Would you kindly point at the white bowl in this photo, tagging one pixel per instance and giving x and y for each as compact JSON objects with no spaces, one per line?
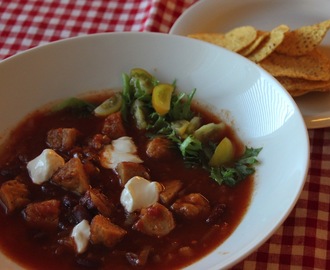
{"x":262,"y":112}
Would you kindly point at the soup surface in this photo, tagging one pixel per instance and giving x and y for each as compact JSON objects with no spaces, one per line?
{"x":190,"y":215}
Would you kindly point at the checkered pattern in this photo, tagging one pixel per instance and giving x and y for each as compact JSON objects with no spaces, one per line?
{"x":303,"y":241}
{"x":28,"y":23}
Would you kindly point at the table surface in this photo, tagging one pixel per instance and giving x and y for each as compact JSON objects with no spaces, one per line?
{"x":302,"y":242}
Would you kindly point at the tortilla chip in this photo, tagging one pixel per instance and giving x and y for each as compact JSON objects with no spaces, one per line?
{"x":298,"y":87}
{"x":214,"y":38}
{"x":269,"y":45}
{"x":312,"y":66}
{"x":240,"y":37}
{"x":304,"y":39}
{"x":290,"y":56}
{"x":233,"y":40}
{"x":298,"y":93}
{"x":261,"y":35}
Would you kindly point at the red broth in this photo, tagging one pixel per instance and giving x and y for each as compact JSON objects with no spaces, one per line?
{"x":187,"y":243}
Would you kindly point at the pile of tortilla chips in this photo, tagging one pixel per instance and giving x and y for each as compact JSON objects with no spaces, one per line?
{"x":293,"y":57}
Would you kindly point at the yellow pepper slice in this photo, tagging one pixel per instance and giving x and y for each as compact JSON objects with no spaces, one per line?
{"x":180,"y":127}
{"x":161,"y":98}
{"x":140,"y":72}
{"x":224,"y":153}
{"x":109,"y":106}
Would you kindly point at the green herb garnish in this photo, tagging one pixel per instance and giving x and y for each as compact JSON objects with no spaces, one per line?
{"x":190,"y":149}
{"x":241,"y":169}
{"x":181,"y":106}
{"x":182,"y":126}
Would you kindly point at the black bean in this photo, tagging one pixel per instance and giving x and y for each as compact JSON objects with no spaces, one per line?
{"x":80,"y":213}
{"x":216,"y":214}
{"x":69,"y":201}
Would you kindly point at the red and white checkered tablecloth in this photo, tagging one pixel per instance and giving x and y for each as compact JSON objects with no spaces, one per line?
{"x":303,"y":241}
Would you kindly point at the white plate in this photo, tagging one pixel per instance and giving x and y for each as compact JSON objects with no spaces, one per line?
{"x":223,"y":15}
{"x":227,"y":82}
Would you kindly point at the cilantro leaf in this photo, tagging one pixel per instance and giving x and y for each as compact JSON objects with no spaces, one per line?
{"x":250,"y":156}
{"x":224,"y":175}
{"x":126,"y":94}
{"x":158,"y":124}
{"x":181,"y":106}
{"x":240,"y":171}
{"x":190,"y":149}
